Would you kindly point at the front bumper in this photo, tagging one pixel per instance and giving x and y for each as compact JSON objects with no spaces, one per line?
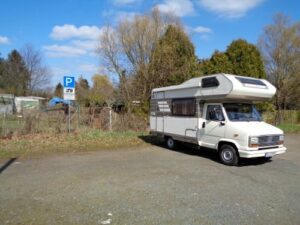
{"x":262,"y":153}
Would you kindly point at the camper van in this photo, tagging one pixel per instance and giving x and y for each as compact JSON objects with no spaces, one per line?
{"x":217,"y":112}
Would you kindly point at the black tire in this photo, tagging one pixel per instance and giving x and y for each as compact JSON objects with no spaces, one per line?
{"x":228,"y":155}
{"x":267,"y":159}
{"x":170,"y":142}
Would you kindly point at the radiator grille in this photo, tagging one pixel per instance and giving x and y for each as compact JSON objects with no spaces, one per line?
{"x":268,"y":140}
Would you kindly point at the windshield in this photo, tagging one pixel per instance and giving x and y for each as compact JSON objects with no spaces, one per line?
{"x":241,"y":112}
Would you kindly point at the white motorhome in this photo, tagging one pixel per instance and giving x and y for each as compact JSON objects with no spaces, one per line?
{"x":217,"y":112}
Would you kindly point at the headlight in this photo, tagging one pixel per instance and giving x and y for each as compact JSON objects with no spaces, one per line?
{"x":253,"y":142}
{"x":281,"y":138}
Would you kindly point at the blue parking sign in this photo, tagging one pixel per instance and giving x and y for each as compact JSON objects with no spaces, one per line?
{"x":69,"y":82}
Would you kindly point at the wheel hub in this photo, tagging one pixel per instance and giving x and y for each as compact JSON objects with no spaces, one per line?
{"x":170,"y":142}
{"x":227,"y":155}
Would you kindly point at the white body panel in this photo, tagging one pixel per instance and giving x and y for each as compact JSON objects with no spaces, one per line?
{"x":181,"y":126}
{"x":230,"y":88}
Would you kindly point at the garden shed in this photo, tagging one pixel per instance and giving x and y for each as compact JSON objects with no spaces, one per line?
{"x":7,"y":105}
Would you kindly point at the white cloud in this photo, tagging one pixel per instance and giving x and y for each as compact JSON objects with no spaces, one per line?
{"x":86,"y":45}
{"x":56,"y":51}
{"x":57,"y":71}
{"x":69,"y":31}
{"x":201,"y":29}
{"x":230,"y":8}
{"x":117,"y":16}
{"x":121,"y":15}
{"x":4,"y":40}
{"x":125,"y":2}
{"x":178,"y":7}
{"x":80,"y":41}
{"x":88,"y":68}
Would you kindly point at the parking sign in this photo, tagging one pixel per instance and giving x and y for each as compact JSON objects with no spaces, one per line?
{"x":69,"y":82}
{"x":69,"y":88}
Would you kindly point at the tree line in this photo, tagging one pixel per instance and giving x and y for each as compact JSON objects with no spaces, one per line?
{"x":101,"y":93}
{"x":153,"y":50}
{"x":24,"y":72}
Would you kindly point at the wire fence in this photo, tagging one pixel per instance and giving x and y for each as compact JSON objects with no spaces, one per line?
{"x":56,"y":121}
{"x":102,"y":118}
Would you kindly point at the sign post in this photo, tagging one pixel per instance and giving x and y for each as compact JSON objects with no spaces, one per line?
{"x":69,"y":94}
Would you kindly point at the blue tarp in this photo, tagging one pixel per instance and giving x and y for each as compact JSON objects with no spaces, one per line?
{"x":56,"y":100}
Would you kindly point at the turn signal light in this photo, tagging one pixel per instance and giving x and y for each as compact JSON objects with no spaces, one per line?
{"x":253,"y":146}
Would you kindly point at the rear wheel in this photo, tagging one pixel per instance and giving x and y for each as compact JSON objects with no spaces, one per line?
{"x":228,"y":155}
{"x":171,"y":143}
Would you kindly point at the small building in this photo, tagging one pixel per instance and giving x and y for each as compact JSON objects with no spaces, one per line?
{"x":27,"y":103}
{"x":7,"y":105}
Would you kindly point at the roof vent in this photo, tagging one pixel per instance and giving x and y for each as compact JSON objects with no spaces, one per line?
{"x":210,"y":82}
{"x":251,"y":82}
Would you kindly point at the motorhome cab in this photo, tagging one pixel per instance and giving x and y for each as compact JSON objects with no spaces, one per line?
{"x":217,"y":112}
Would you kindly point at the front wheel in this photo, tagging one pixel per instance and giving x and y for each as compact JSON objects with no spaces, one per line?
{"x":171,"y":144}
{"x":228,"y":155}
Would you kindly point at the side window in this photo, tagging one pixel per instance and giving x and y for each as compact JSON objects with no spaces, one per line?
{"x":184,"y":107}
{"x":214,"y":112}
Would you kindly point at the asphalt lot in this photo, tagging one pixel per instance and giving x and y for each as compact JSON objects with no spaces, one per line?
{"x":151,"y":185}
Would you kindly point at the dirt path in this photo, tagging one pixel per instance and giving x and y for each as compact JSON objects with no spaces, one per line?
{"x":151,"y":186}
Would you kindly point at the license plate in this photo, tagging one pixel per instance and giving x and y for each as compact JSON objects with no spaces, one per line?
{"x":269,"y":154}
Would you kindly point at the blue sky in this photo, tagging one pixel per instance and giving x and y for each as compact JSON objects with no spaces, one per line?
{"x":66,"y":31}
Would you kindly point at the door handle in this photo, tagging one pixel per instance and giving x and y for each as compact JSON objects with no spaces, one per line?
{"x":203,"y":125}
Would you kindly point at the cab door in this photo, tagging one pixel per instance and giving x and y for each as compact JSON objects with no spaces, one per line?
{"x":213,"y":127}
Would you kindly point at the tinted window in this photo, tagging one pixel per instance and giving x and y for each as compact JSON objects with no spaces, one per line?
{"x":214,"y":112}
{"x":184,"y":107}
{"x":210,"y":82}
{"x":245,"y":80}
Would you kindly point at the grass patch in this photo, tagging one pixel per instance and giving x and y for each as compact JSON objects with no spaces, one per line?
{"x":290,"y":128}
{"x":82,"y":141}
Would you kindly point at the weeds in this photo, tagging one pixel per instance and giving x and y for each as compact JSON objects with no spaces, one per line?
{"x":80,"y":141}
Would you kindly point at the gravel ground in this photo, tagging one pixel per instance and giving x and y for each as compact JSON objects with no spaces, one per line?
{"x":152,"y":185}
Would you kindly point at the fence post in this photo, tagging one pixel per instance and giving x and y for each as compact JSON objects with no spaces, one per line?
{"x":78,"y":116}
{"x":69,"y":119}
{"x":3,"y":124}
{"x":110,"y":125}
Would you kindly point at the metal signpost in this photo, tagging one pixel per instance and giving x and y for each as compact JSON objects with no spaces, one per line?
{"x":69,"y":94}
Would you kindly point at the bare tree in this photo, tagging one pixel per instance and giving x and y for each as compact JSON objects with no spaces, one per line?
{"x":280,"y":47}
{"x":39,"y":74}
{"x":126,"y":49}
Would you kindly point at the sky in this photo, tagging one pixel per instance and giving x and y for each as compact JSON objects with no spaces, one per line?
{"x":67,"y":31}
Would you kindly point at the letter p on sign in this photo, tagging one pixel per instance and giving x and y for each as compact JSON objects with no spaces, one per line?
{"x":69,"y":82}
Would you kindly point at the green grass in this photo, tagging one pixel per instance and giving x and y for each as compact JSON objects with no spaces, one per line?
{"x":81,"y":141}
{"x":290,"y":128}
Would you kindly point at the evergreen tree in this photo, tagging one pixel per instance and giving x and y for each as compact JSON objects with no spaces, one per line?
{"x":16,"y":75}
{"x":2,"y":69}
{"x":82,"y":91}
{"x":173,"y":60}
{"x":218,"y":63}
{"x":58,"y":92}
{"x":240,"y":57}
{"x":245,"y":59}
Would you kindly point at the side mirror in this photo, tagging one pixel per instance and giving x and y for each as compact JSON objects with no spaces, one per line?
{"x":222,"y":123}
